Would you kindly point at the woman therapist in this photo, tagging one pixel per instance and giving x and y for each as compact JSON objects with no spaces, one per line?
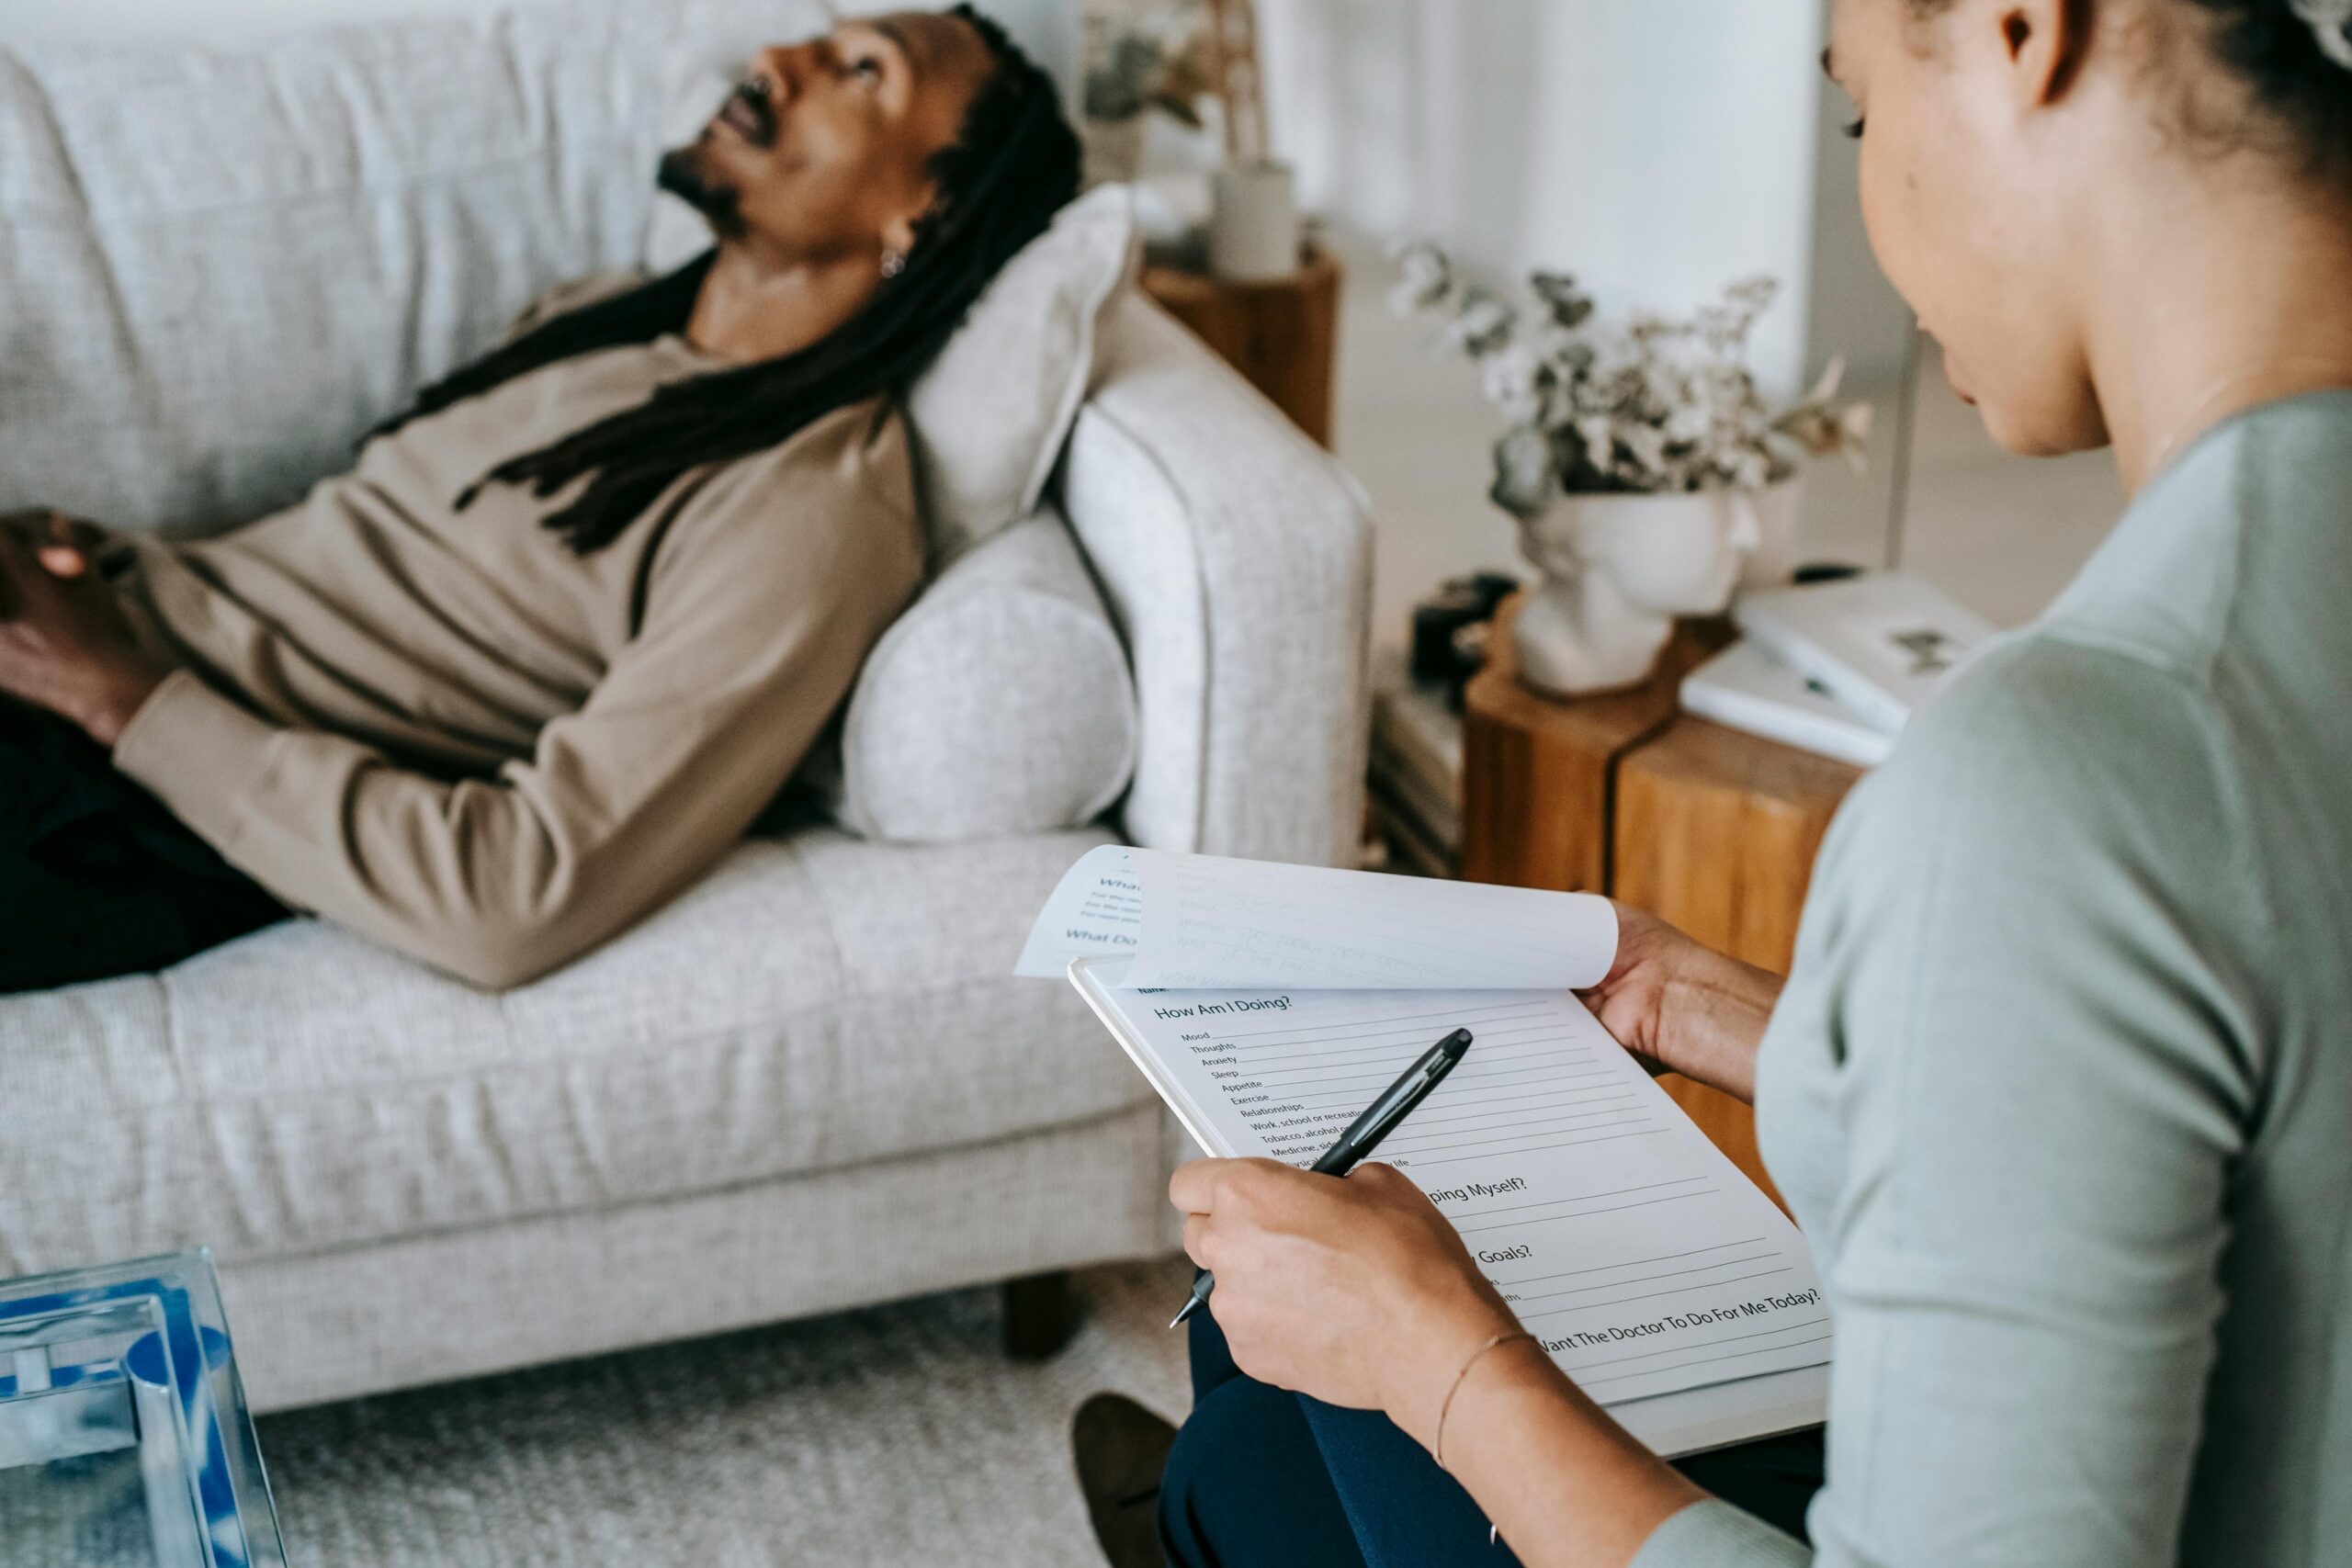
{"x":2060,"y":1088}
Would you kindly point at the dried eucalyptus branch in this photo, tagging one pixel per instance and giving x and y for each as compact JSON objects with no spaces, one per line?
{"x":1650,"y":404}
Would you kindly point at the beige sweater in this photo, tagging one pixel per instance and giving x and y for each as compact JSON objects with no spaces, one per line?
{"x":451,"y":734}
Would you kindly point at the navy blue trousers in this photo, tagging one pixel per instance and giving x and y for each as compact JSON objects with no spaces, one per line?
{"x":1263,"y":1477}
{"x":97,"y":878}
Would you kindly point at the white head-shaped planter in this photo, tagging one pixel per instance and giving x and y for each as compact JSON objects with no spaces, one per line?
{"x":1619,"y":569}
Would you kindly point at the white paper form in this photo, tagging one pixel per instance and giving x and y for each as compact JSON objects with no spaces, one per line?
{"x":1622,"y":1238}
{"x":1202,"y":922}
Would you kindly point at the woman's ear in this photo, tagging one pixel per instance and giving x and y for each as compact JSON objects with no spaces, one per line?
{"x":2042,"y":45}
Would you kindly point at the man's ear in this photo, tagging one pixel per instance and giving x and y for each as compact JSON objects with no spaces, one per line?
{"x":2043,"y":43}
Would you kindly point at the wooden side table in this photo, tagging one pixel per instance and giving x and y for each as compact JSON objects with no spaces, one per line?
{"x":1707,"y":827}
{"x":1537,"y":774}
{"x":1282,"y":335}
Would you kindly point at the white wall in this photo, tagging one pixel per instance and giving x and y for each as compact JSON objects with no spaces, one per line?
{"x":1407,"y":118}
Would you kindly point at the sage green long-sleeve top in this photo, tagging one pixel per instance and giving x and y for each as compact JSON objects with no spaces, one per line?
{"x":2060,"y":1088}
{"x":450,"y":733}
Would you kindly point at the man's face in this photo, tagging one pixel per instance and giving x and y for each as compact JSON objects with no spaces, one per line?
{"x":822,"y":152}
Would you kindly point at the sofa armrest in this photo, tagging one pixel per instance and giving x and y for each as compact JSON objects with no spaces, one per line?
{"x":1237,"y":558}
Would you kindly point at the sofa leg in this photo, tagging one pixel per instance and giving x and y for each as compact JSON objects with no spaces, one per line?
{"x":1040,"y":1315}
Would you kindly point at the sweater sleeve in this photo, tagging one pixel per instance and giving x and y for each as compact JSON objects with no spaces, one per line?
{"x":1714,"y":1534}
{"x":2019,"y":1013}
{"x":758,"y":615}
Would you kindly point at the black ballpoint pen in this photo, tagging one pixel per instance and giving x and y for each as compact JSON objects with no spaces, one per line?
{"x":1364,"y":1135}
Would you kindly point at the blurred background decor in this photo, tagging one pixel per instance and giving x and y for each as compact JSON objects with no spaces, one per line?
{"x":1189,"y":70}
{"x":1173,"y":105}
{"x":1141,"y":60}
{"x":1649,"y":474}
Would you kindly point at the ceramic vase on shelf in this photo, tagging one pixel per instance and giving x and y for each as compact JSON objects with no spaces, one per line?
{"x":1619,"y":569}
{"x":1255,"y":231}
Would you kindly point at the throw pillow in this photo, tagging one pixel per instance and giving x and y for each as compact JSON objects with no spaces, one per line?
{"x":999,"y":704}
{"x":991,"y":415}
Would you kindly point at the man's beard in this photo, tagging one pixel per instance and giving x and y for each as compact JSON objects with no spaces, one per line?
{"x":683,"y":175}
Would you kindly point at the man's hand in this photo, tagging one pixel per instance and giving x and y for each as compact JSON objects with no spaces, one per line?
{"x":64,"y":645}
{"x":1687,"y":1008}
{"x":1354,"y":1292}
{"x":65,"y":545}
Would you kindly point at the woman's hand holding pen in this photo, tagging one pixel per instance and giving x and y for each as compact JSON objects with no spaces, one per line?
{"x":1683,"y":1005}
{"x":1354,"y":1291}
{"x":1357,"y":1291}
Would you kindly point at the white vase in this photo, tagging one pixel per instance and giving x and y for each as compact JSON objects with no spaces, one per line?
{"x":1254,"y":226}
{"x":1619,"y":569}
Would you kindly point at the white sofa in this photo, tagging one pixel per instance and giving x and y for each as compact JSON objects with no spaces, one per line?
{"x":809,"y":1084}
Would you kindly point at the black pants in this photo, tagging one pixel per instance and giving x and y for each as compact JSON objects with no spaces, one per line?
{"x":1258,"y":1476}
{"x":97,"y":878}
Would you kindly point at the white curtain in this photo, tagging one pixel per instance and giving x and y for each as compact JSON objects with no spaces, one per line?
{"x":1409,"y":117}
{"x":1659,"y":148}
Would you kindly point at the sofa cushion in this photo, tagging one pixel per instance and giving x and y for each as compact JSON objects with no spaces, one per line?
{"x":201,"y":323}
{"x":998,"y":705}
{"x":818,"y":1003}
{"x":992,"y":415}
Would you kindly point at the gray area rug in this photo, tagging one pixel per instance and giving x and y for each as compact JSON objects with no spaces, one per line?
{"x":897,"y":1435}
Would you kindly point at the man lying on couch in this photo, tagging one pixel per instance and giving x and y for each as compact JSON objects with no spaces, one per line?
{"x":544,"y":654}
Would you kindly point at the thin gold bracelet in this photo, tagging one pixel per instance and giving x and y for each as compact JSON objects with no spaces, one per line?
{"x":1437,"y":1451}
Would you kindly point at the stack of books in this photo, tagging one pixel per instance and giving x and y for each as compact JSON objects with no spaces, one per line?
{"x":1838,"y":668}
{"x":1414,"y":786}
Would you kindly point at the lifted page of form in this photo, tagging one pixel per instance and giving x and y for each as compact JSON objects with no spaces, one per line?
{"x":1622,"y":1238}
{"x":1199,"y":921}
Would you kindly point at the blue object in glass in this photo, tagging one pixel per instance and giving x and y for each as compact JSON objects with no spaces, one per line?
{"x":124,"y":1437}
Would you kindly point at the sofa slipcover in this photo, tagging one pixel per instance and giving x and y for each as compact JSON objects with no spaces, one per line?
{"x":821,"y":1002}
